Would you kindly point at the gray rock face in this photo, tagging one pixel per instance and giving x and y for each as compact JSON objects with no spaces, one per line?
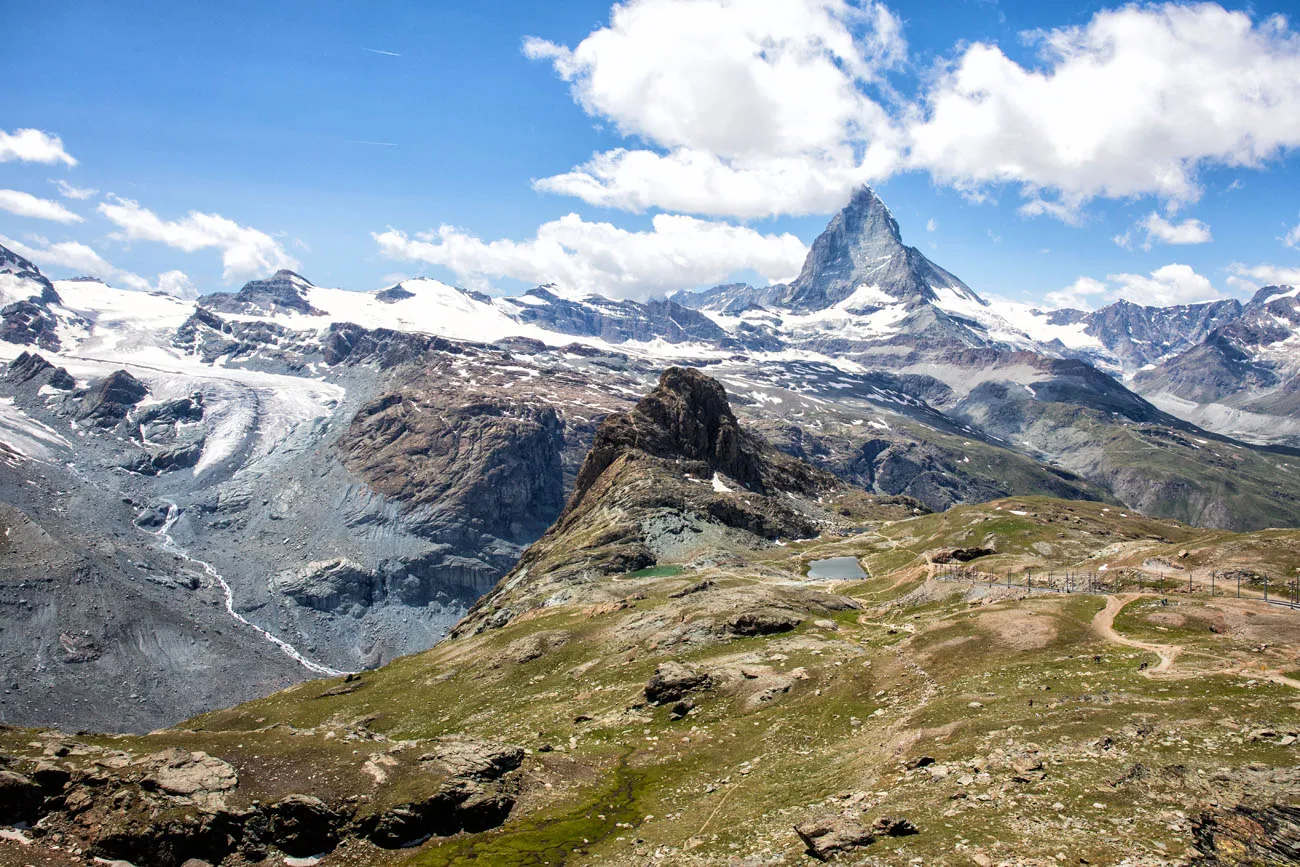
{"x":109,"y":400}
{"x":619,"y":321}
{"x":283,"y":291}
{"x":29,"y":323}
{"x":863,"y":246}
{"x":1139,"y":335}
{"x":31,"y":369}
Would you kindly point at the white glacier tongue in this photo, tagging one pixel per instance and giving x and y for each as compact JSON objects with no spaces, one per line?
{"x":25,"y":437}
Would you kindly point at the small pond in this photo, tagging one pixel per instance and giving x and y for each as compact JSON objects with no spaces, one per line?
{"x":838,"y":568}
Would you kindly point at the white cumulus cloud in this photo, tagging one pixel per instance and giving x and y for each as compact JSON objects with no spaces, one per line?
{"x":1158,"y":230}
{"x":699,"y":182}
{"x":1248,"y":278}
{"x":1082,"y":294}
{"x":83,"y":261}
{"x":751,"y":107}
{"x":1165,"y":286}
{"x":1132,"y":103}
{"x":33,"y":146}
{"x":245,"y":251}
{"x":1292,"y":237}
{"x":677,"y":252}
{"x":27,"y":205}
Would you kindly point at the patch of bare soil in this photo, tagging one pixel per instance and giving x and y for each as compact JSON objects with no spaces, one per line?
{"x":1018,"y":629}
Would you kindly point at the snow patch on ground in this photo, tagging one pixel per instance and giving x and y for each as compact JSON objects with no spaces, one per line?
{"x":27,"y":437}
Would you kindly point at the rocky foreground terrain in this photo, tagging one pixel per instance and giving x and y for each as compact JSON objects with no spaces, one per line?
{"x":663,"y":680}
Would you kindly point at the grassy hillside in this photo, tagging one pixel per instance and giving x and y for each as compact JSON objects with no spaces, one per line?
{"x":1005,"y":726}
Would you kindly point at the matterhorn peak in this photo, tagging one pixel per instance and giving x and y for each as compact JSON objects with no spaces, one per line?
{"x":862,"y":246}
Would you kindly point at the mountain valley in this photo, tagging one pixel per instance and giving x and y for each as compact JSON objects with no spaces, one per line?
{"x":661,"y":679}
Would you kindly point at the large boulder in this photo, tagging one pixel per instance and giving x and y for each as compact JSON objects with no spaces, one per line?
{"x":673,"y":681}
{"x":302,"y":826}
{"x":476,"y":759}
{"x":189,"y":774}
{"x":829,"y":836}
{"x":20,"y":798}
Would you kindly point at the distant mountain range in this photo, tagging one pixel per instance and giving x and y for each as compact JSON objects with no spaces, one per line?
{"x":348,"y":472}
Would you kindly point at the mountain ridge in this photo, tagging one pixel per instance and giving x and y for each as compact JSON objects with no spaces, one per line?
{"x":358,"y":469}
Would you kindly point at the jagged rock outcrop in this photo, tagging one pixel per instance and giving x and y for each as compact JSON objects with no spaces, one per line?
{"x":394,"y":294}
{"x":1139,"y":334}
{"x":27,"y":323}
{"x":108,"y":401}
{"x":862,"y":246}
{"x":688,"y":417}
{"x":30,"y":368}
{"x":674,"y":478}
{"x":284,"y":291}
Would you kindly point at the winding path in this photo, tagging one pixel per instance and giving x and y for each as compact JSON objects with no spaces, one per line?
{"x":1104,"y":625}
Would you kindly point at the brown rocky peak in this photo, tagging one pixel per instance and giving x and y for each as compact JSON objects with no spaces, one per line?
{"x":687,"y":416}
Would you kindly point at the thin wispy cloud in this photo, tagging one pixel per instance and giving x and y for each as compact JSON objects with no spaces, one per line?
{"x":382,"y":51}
{"x":381,"y":144}
{"x":68,"y":191}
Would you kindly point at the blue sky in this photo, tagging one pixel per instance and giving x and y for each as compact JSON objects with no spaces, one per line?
{"x":301,"y":131}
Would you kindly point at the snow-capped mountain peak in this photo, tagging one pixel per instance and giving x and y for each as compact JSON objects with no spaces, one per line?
{"x":864,"y":246}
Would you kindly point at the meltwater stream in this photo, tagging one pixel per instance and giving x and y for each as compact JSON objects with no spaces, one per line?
{"x":169,"y":545}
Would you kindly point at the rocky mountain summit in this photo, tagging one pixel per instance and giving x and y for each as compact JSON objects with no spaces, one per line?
{"x":863,"y":247}
{"x":674,"y":480}
{"x":1136,"y":335}
{"x":283,"y":291}
{"x":1245,"y":369}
